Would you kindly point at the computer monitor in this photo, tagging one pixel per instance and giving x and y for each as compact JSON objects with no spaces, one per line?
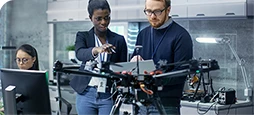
{"x":33,"y":87}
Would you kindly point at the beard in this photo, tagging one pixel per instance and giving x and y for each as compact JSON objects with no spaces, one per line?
{"x":156,"y":22}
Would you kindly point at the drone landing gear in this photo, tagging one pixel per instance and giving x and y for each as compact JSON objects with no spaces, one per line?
{"x":128,"y":105}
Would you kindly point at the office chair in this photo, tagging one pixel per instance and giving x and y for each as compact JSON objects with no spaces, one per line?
{"x":64,"y":106}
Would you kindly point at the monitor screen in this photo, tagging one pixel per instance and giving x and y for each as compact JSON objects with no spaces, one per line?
{"x":32,"y":85}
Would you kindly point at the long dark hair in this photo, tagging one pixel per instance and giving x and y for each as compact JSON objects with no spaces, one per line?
{"x":32,"y":52}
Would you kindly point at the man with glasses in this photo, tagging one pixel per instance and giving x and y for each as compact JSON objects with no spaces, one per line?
{"x":165,"y":42}
{"x":100,"y":44}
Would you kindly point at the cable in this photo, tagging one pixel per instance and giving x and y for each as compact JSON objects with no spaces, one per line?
{"x":110,"y":96}
{"x":114,"y":84}
{"x":233,"y":101}
{"x":215,"y":108}
{"x":228,"y":109}
{"x":223,"y":89}
{"x":205,"y":111}
{"x":217,"y":93}
{"x":144,"y":88}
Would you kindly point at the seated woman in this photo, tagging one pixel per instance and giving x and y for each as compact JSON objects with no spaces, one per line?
{"x":27,"y":57}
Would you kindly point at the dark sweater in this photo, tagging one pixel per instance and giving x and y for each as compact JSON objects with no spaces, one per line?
{"x":175,"y":46}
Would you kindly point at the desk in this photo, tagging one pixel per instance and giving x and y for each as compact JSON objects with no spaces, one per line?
{"x":239,"y":108}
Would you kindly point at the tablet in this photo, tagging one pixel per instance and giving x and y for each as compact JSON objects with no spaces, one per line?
{"x":146,"y":65}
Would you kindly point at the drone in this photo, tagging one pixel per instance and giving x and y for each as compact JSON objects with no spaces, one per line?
{"x":133,"y":88}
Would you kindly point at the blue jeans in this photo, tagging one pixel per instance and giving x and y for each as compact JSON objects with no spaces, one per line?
{"x":93,"y":103}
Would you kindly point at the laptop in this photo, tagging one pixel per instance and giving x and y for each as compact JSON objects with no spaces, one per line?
{"x":146,"y":65}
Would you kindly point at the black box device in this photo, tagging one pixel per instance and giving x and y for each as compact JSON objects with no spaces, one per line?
{"x":227,"y":97}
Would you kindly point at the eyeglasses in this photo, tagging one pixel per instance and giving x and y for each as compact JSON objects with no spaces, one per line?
{"x":155,"y":12}
{"x":23,"y":60}
{"x":106,"y":18}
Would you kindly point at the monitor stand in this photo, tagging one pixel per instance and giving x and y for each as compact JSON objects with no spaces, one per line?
{"x":11,"y":98}
{"x":10,"y":104}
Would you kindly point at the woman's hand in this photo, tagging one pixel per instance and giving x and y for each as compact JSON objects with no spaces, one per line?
{"x":107,"y":48}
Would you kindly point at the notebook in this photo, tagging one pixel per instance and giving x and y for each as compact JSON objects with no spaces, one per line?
{"x":146,"y":65}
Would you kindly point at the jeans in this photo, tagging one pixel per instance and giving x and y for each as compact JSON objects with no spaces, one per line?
{"x":152,"y":110}
{"x":92,"y":102}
